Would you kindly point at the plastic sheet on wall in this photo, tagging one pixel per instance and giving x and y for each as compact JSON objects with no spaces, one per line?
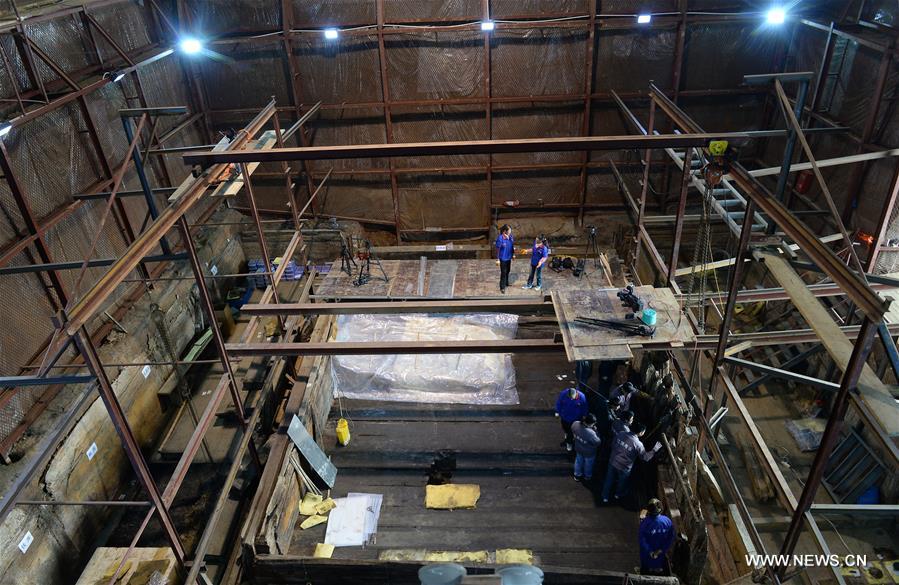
{"x":248,"y":76}
{"x":627,"y":60}
{"x":450,"y":378}
{"x":538,"y":61}
{"x":717,"y":56}
{"x":66,"y":40}
{"x":221,"y":16}
{"x":432,"y":123}
{"x":126,"y":22}
{"x":537,"y":8}
{"x":360,"y":196}
{"x":350,"y":126}
{"x":400,"y":10}
{"x":535,"y":188}
{"x":338,"y":72}
{"x":451,"y":200}
{"x":428,"y":65}
{"x":849,"y":93}
{"x":546,"y":119}
{"x":356,"y":12}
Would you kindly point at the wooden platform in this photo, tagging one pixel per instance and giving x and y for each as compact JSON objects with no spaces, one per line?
{"x":529,"y":499}
{"x":586,"y":342}
{"x":462,"y":278}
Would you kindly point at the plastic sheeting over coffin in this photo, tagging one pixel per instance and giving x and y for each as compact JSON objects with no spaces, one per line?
{"x":450,"y":378}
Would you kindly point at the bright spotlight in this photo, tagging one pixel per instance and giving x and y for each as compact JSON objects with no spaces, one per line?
{"x":644,"y":18}
{"x":191,"y":46}
{"x":776,"y":16}
{"x":5,"y":128}
{"x":331,"y":33}
{"x":488,"y":25}
{"x":117,"y":76}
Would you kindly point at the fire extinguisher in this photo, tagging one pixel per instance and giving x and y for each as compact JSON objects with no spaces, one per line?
{"x":803,"y":182}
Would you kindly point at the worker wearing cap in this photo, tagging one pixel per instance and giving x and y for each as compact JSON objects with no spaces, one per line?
{"x":539,"y":256}
{"x":505,"y":249}
{"x":586,"y":444}
{"x":571,"y":406}
{"x":656,"y":538}
{"x":626,"y":449}
{"x":625,"y":393}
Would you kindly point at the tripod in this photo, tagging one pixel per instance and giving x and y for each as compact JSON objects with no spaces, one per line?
{"x":591,"y":247}
{"x":366,"y":255}
{"x":347,"y":264}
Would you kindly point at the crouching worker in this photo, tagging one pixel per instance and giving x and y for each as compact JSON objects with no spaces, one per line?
{"x":586,"y":443}
{"x":571,"y":406}
{"x":626,"y":448}
{"x":656,"y":537}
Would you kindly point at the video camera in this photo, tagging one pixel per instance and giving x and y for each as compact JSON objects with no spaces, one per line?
{"x":630,"y":299}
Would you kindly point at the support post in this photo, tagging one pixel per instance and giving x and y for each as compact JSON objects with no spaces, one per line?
{"x":679,"y":217}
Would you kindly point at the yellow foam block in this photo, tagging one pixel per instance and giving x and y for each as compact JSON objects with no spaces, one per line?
{"x":452,"y":496}
{"x":323,"y":551}
{"x":514,"y":556}
{"x":310,"y":501}
{"x":456,"y":556}
{"x":313,"y":521}
{"x":325,"y":506}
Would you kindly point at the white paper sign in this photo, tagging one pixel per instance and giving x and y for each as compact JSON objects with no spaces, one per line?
{"x":146,"y":371}
{"x":214,"y":270}
{"x":26,"y":542}
{"x":91,"y":451}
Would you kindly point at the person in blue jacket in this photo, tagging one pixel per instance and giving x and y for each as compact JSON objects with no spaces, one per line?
{"x":571,"y":406}
{"x":539,"y":256}
{"x":656,"y":538}
{"x":505,"y":249}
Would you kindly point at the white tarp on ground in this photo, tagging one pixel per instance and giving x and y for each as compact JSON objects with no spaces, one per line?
{"x":450,"y":378}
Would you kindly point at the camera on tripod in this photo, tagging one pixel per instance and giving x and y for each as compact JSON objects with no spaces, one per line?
{"x":629,"y":299}
{"x":591,"y":230}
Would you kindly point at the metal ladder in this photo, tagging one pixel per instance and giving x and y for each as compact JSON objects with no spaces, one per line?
{"x":727,"y":202}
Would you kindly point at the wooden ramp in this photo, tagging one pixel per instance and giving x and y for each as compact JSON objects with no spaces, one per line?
{"x":875,"y":393}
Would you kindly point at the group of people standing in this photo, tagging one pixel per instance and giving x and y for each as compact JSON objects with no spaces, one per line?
{"x":623,"y":437}
{"x":505,"y":251}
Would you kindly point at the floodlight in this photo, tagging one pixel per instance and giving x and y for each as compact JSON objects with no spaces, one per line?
{"x":191,"y":45}
{"x":644,"y":18}
{"x":5,"y":128}
{"x":488,"y":25}
{"x":331,"y":33}
{"x":117,"y":76}
{"x":776,"y":15}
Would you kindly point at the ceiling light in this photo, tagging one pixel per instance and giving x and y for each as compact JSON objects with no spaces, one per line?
{"x":331,"y":33}
{"x":644,"y":18}
{"x":488,"y":25}
{"x":776,"y":16}
{"x":191,"y":45}
{"x":117,"y":76}
{"x":5,"y":128}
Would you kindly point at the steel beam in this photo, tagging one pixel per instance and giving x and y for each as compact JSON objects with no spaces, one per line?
{"x":395,"y":347}
{"x":16,"y":381}
{"x":566,"y":144}
{"x":354,"y":308}
{"x":773,"y":372}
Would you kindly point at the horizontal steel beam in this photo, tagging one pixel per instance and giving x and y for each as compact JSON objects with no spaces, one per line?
{"x":566,"y":144}
{"x":395,"y":347}
{"x":17,"y":381}
{"x":130,"y":193}
{"x":888,"y":509}
{"x":79,"y":263}
{"x":354,"y":308}
{"x":157,"y":111}
{"x":783,"y":374}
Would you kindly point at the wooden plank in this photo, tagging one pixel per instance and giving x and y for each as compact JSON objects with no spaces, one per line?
{"x":873,"y":390}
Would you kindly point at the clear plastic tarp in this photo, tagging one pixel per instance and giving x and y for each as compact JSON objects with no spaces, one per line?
{"x":449,"y":378}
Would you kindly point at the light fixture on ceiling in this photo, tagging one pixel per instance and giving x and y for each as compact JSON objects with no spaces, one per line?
{"x":117,"y":76}
{"x":331,"y":33}
{"x":776,"y":15}
{"x":190,"y":45}
{"x":644,"y":18}
{"x":488,"y":25}
{"x":5,"y":127}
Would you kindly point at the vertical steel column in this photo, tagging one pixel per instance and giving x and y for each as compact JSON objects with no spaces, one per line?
{"x":144,"y":183}
{"x":263,"y":246}
{"x":129,"y":442}
{"x":209,"y":309}
{"x":883,"y":224}
{"x":588,"y":102}
{"x":790,"y":147}
{"x":848,"y":383}
{"x":388,"y":116}
{"x":823,"y":71}
{"x":647,"y":161}
{"x":681,"y":209}
{"x":736,"y":276}
{"x":488,"y":108}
